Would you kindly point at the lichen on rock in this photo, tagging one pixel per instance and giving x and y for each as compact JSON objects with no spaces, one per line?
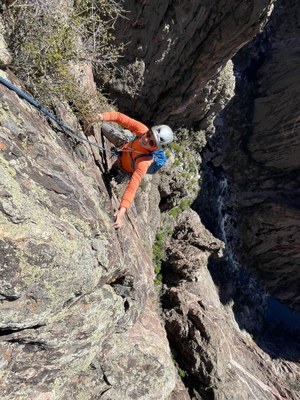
{"x":80,"y":315}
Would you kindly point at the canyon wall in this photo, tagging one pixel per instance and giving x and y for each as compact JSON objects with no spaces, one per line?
{"x":174,"y":51}
{"x":262,"y":138}
{"x":80,"y":317}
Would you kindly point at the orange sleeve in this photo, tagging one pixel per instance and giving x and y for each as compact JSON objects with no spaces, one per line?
{"x":137,"y":176}
{"x":129,"y":123}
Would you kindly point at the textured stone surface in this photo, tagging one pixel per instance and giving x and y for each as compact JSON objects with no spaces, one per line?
{"x":219,"y":360}
{"x":266,"y":182}
{"x":49,"y":356}
{"x":174,"y":49}
{"x":137,"y":363}
{"x":69,"y":281}
{"x":5,"y":57}
{"x":78,"y":319}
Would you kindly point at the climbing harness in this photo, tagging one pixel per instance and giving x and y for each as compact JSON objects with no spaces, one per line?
{"x":158,"y":156}
{"x":70,"y":131}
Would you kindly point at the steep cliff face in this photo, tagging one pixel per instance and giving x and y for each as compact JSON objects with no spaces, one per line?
{"x":263,"y":140}
{"x":174,"y":49}
{"x":79,"y":314}
{"x":70,"y":285}
{"x":217,"y":359}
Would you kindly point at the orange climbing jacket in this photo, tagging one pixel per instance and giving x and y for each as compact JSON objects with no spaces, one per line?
{"x":131,"y":161}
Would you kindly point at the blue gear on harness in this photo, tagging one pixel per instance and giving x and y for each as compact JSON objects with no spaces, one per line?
{"x":159,"y":160}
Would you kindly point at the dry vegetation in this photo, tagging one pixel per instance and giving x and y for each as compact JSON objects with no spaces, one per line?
{"x":49,"y":40}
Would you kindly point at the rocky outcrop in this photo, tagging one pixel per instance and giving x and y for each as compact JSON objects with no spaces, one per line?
{"x":70,"y":284}
{"x":217,"y":359}
{"x":79,"y":314}
{"x":261,"y":138}
{"x":174,"y":49}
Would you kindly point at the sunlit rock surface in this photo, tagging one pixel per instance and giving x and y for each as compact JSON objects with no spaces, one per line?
{"x":69,"y":282}
{"x":79,"y":314}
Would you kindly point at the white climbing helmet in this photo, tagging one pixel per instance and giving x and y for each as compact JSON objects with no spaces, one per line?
{"x":163,"y":135}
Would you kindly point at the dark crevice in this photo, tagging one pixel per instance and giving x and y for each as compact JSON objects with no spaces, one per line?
{"x":32,"y":344}
{"x":123,"y":286}
{"x":126,"y":305}
{"x":106,"y":379}
{"x":169,"y":277}
{"x":11,"y":331}
{"x":7,"y":297}
{"x":104,"y":391}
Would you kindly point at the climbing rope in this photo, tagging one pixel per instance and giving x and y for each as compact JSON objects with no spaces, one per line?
{"x":70,"y":131}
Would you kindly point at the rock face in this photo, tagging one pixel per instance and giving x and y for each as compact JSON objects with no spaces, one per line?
{"x":218,"y":360}
{"x":5,"y":57}
{"x":70,"y":284}
{"x":79,"y":314}
{"x":263,"y":140}
{"x":174,"y":49}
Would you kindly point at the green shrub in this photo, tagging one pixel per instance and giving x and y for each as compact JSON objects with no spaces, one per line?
{"x":176,"y":163}
{"x":174,"y":212}
{"x":159,"y":252}
{"x":183,"y":205}
{"x":177,"y":147}
{"x":181,"y":372}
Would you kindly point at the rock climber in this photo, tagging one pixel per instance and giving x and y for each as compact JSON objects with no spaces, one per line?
{"x":135,"y":156}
